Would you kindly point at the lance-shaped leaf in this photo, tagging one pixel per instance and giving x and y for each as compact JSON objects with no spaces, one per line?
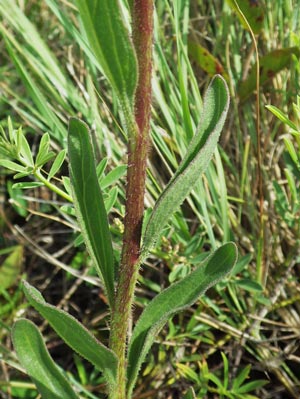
{"x":35,"y":358}
{"x":109,"y":40}
{"x":172,"y":300}
{"x":199,"y":153}
{"x":75,"y":334}
{"x":89,"y":204}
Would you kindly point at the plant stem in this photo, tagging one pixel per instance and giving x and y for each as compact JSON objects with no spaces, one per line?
{"x":51,"y":186}
{"x":142,"y":24}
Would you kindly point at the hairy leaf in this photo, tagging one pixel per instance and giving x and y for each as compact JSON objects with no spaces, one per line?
{"x":74,"y":334}
{"x":111,"y":44}
{"x":199,"y":153}
{"x":89,"y":204}
{"x":34,"y":357}
{"x":174,"y":299}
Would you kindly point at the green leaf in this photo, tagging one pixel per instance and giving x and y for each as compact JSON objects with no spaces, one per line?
{"x":113,"y":176}
{"x":196,"y":160}
{"x":12,"y":166}
{"x":111,"y":199}
{"x":241,"y":264}
{"x":292,"y":151}
{"x":28,"y":172}
{"x":58,"y":161}
{"x":241,"y":377}
{"x":216,"y":380}
{"x":16,"y":134}
{"x":249,"y":285}
{"x":101,"y":167}
{"x":292,"y":184}
{"x":251,"y":386}
{"x":67,"y":185}
{"x":281,"y":116}
{"x":43,"y":149}
{"x":46,"y":158}
{"x":34,"y":357}
{"x":27,"y":185}
{"x":74,"y":334}
{"x":253,"y":12}
{"x":44,"y":155}
{"x":111,"y":44}
{"x":188,"y":373}
{"x":89,"y":204}
{"x":270,"y":65}
{"x":11,"y":267}
{"x":25,"y":150}
{"x":174,"y":299}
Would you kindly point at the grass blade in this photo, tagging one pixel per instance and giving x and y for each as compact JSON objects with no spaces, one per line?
{"x":89,"y":204}
{"x":47,"y":115}
{"x":174,"y":299}
{"x":34,"y":357}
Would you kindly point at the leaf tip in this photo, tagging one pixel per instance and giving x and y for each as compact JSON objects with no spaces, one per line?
{"x":222,"y":261}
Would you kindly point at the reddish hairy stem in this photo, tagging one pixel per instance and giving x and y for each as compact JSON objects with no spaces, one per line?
{"x":142,"y":23}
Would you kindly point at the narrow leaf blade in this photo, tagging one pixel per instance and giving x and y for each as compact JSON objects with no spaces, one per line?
{"x":196,"y":160}
{"x":12,"y":166}
{"x":174,"y":299}
{"x":113,"y":176}
{"x":58,"y":161}
{"x":74,"y":334}
{"x":43,"y":150}
{"x":34,"y":357}
{"x":27,"y":185}
{"x":89,"y":204}
{"x":25,"y":150}
{"x":281,"y":116}
{"x":111,"y":44}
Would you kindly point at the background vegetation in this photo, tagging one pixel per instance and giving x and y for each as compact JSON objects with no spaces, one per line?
{"x":242,"y":339}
